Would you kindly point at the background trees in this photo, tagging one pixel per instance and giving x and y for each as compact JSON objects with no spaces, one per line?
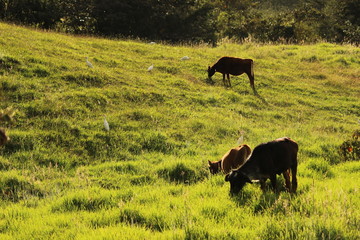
{"x":194,"y":20}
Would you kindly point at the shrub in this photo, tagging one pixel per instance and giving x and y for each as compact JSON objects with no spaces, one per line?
{"x":350,"y":149}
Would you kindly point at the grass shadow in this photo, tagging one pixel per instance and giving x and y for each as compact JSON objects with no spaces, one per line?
{"x":243,"y":198}
{"x":209,"y":81}
{"x":267,"y":200}
{"x":263,"y":100}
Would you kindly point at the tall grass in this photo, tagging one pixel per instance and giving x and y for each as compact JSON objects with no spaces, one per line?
{"x":63,"y":176}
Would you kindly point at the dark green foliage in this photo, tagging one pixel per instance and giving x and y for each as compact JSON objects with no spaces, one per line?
{"x":194,"y":21}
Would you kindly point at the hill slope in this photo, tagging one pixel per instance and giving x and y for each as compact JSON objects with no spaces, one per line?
{"x":63,"y":176}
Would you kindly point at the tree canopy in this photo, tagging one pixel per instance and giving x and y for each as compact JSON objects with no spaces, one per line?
{"x":194,"y":20}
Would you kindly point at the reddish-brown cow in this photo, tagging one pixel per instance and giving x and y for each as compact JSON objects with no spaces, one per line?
{"x":233,"y":159}
{"x":233,"y":66}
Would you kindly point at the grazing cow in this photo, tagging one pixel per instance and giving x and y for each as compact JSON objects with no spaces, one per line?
{"x":3,"y":137}
{"x":267,"y":160}
{"x":233,"y":66}
{"x":233,"y":159}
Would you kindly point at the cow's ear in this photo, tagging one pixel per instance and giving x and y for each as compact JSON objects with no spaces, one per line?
{"x":208,"y":68}
{"x":227,"y":177}
{"x":209,"y":162}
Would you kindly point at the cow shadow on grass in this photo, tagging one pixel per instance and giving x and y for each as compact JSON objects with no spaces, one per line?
{"x":245,"y":91}
{"x":269,"y":201}
{"x":257,"y":203}
{"x":209,"y":81}
{"x":262,"y":99}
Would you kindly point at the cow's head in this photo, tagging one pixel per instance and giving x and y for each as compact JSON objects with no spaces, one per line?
{"x":3,"y":137}
{"x":237,"y":181}
{"x":211,"y":72}
{"x":214,"y":167}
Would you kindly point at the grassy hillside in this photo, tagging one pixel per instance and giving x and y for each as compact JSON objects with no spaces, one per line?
{"x":64,"y":177}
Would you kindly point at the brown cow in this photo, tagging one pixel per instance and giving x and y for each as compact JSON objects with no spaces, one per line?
{"x":267,"y":160}
{"x":233,"y":159}
{"x":3,"y":137}
{"x":233,"y":66}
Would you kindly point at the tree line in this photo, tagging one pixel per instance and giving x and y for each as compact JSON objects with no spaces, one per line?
{"x":292,"y":21}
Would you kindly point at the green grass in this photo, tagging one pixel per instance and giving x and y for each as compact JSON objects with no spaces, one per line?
{"x":64,"y":177}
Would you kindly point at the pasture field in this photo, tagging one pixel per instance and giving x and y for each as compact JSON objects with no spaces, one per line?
{"x":62,"y":176}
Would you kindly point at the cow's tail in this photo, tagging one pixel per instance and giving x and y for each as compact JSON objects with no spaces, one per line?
{"x":252,"y":77}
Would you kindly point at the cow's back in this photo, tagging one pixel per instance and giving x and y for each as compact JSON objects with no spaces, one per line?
{"x":276,"y":156}
{"x":233,"y":66}
{"x":235,"y":158}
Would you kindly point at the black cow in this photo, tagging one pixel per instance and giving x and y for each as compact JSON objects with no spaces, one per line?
{"x":267,"y":160}
{"x":233,"y":66}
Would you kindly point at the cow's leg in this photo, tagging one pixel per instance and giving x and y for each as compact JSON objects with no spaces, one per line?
{"x":273,"y":182}
{"x":262,"y":184}
{"x":286,"y":175}
{"x":293,"y":179}
{"x":251,"y":78}
{"x":228,"y":77}
{"x":224,"y":79}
